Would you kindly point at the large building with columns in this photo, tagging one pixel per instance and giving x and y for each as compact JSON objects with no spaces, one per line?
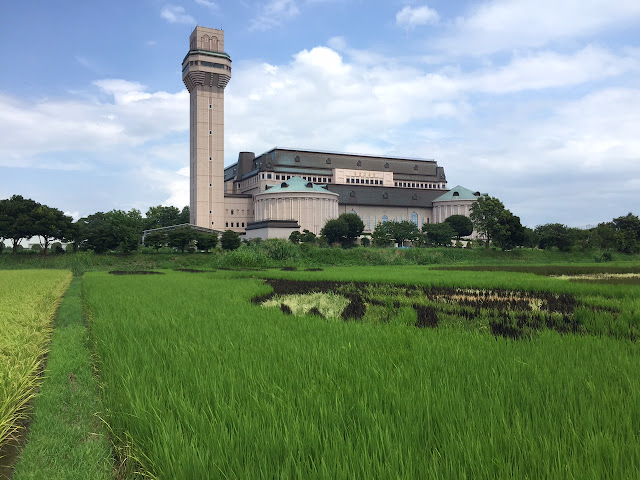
{"x":285,"y":189}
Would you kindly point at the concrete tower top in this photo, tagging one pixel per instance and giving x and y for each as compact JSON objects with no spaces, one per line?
{"x":208,"y":39}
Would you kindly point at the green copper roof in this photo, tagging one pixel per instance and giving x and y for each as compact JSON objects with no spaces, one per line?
{"x":462,"y":194}
{"x":296,"y":184}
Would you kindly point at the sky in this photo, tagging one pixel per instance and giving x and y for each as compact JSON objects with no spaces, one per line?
{"x":536,"y":102}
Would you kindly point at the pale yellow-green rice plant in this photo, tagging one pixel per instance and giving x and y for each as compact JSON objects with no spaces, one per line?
{"x":28,"y":302}
{"x":329,"y":304}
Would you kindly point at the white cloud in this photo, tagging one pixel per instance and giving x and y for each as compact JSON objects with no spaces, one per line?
{"x":511,"y":24}
{"x":209,"y":4}
{"x":273,"y":13}
{"x":410,"y":17}
{"x":549,"y":70}
{"x":176,"y":14}
{"x":127,"y":116}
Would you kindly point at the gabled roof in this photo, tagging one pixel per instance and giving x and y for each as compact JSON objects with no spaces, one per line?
{"x":458,"y":193}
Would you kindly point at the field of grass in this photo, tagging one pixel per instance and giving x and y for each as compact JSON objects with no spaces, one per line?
{"x":28,"y":301}
{"x":199,"y":382}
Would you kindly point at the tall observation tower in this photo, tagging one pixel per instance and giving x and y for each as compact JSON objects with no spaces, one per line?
{"x":206,"y":70}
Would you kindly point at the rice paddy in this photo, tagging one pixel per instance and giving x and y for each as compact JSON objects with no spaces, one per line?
{"x":401,"y":372}
{"x":28,"y":301}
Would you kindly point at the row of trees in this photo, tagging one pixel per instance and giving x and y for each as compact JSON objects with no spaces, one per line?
{"x":22,"y":218}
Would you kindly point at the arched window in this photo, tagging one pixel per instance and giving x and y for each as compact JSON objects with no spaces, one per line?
{"x":205,"y":42}
{"x":359,"y":164}
{"x":214,"y":45}
{"x":414,"y":218}
{"x":385,"y":219}
{"x":456,"y":194}
{"x":231,"y":212}
{"x":297,"y":159}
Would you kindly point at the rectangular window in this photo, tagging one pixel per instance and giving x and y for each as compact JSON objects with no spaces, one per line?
{"x":277,"y":177}
{"x":226,"y":224}
{"x":269,"y":176}
{"x":368,"y":223}
{"x":329,"y":181}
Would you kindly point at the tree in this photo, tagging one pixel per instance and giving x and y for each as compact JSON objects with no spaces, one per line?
{"x":184,"y":215}
{"x":486,"y":213}
{"x":308,"y":237}
{"x":402,"y":231}
{"x":439,"y":234}
{"x":205,"y":241}
{"x":387,"y":232}
{"x":114,"y":230}
{"x":627,"y":233}
{"x":355,"y":227}
{"x":51,"y":224}
{"x":162,"y":216}
{"x":335,"y":230}
{"x":463,"y":226}
{"x":181,"y":237}
{"x":295,"y":237}
{"x":75,"y":235}
{"x":156,"y":240}
{"x":509,"y":233}
{"x":230,"y":240}
{"x":554,"y":235}
{"x":17,"y":220}
{"x":382,"y":234}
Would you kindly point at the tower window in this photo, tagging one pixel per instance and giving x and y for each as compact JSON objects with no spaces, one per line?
{"x":210,"y":106}
{"x":209,"y":132}
{"x":297,"y":158}
{"x":359,"y":164}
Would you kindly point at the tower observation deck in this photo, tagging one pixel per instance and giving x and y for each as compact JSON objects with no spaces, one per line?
{"x":206,"y":70}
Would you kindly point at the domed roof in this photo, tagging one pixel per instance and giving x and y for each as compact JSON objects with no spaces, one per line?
{"x":296,"y":184}
{"x":458,"y":193}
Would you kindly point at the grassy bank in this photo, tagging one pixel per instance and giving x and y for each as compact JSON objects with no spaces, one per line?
{"x":280,"y":253}
{"x":198,"y":382}
{"x":66,"y":439}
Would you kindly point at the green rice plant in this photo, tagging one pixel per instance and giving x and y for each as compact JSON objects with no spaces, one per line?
{"x":197,"y":382}
{"x":27,"y":304}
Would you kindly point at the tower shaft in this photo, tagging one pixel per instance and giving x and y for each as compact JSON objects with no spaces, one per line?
{"x":206,"y":70}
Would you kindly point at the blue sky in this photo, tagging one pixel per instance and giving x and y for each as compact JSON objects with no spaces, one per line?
{"x":534,"y":102}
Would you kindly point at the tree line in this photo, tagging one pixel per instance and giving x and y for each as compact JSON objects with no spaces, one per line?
{"x":120,"y":231}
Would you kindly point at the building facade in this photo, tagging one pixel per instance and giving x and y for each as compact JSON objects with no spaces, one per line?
{"x":288,"y":189}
